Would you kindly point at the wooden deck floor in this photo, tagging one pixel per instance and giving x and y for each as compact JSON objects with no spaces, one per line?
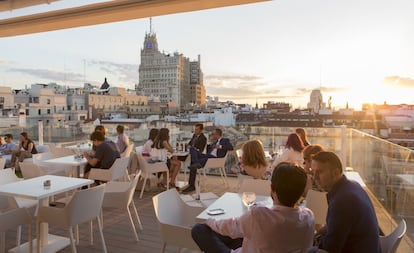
{"x":117,"y":229}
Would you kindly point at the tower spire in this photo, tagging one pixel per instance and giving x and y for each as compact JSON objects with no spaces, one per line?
{"x":150,"y":25}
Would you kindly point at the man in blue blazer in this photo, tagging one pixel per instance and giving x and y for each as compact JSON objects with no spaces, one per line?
{"x":216,"y":149}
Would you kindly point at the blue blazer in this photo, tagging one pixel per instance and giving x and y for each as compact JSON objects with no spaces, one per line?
{"x":225,"y":146}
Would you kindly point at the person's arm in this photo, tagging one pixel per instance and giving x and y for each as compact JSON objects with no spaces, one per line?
{"x":30,"y":147}
{"x":226,"y":144}
{"x":92,"y":161}
{"x":167,"y":146}
{"x":228,"y":227}
{"x":201,"y":143}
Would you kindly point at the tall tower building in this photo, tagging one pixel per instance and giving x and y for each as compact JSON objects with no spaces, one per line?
{"x":172,"y":78}
{"x":316,"y":101}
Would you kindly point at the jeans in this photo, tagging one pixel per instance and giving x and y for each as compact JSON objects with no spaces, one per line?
{"x":211,"y":242}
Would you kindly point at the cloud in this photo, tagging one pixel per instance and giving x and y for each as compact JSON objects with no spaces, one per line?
{"x":240,"y":87}
{"x":305,"y":91}
{"x":403,"y":82}
{"x":123,"y":71}
{"x":47,"y":74}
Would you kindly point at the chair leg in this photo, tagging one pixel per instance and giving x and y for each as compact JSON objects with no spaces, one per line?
{"x":101,"y":233}
{"x":19,"y":235}
{"x":142,"y":188}
{"x":91,"y":231}
{"x":72,"y":240}
{"x":168,"y":180}
{"x":137,"y":216}
{"x":38,"y":242}
{"x":164,"y":244}
{"x":132,"y":224}
{"x":3,"y":242}
{"x":77,"y":234}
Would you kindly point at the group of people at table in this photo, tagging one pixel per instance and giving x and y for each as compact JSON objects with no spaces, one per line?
{"x":351,"y":223}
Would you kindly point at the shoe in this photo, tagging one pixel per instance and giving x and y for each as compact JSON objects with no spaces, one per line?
{"x":162,"y":186}
{"x":189,"y":189}
{"x":195,"y":166}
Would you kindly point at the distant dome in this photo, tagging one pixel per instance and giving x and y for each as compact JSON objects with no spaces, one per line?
{"x":105,"y":85}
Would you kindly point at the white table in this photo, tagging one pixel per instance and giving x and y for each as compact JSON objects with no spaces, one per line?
{"x":206,"y":199}
{"x":232,"y":205}
{"x":407,"y":179}
{"x":68,"y":160}
{"x":33,"y":189}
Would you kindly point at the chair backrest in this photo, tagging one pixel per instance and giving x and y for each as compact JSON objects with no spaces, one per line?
{"x":2,"y":163}
{"x":389,"y":243}
{"x":133,"y":186}
{"x":258,"y":186}
{"x":128,"y":150}
{"x":7,"y":176}
{"x":216,"y":162}
{"x":38,"y":158}
{"x":138,"y":149}
{"x":14,"y":218}
{"x":175,"y":218}
{"x":119,"y":168}
{"x":85,"y":204}
{"x":150,"y":167}
{"x":7,"y":203}
{"x":317,"y":202}
{"x":31,"y":170}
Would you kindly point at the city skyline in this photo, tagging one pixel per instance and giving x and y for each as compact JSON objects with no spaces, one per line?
{"x":273,"y":51}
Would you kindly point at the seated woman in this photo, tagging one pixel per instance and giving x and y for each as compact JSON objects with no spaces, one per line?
{"x":292,"y":152}
{"x":25,"y":149}
{"x":254,"y":161}
{"x":308,"y":153}
{"x":146,"y":149}
{"x":162,"y":146}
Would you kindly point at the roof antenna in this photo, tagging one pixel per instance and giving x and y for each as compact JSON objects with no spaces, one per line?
{"x":150,"y":25}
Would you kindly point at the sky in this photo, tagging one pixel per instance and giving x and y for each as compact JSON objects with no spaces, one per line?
{"x":354,"y":51}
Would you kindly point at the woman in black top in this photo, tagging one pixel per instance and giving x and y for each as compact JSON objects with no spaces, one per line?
{"x":25,"y":149}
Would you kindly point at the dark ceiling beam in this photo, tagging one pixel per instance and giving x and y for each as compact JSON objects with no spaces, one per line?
{"x":107,"y":12}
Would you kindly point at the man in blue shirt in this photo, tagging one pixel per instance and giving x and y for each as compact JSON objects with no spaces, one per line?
{"x":351,"y":222}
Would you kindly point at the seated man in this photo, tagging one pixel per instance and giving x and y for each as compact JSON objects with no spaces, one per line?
{"x":105,"y":154}
{"x":217,"y":149}
{"x":282,"y":228}
{"x":7,"y":148}
{"x":351,"y":223}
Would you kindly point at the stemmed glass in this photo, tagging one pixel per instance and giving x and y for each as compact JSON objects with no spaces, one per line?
{"x":249,"y":198}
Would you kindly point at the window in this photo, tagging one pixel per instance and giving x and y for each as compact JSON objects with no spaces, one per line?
{"x":48,"y":101}
{"x":48,"y":111}
{"x":39,"y":112}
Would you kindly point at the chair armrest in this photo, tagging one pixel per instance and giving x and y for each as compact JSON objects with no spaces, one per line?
{"x":100,"y":174}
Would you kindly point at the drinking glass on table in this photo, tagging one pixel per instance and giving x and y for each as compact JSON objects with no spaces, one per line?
{"x":249,"y":198}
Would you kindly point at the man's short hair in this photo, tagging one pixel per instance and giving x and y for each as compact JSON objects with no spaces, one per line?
{"x":120,"y":129}
{"x":9,"y":136}
{"x":199,"y":125}
{"x":218,"y":131}
{"x":288,"y":182}
{"x":97,"y":136}
{"x":329,"y":158}
{"x":311,"y":150}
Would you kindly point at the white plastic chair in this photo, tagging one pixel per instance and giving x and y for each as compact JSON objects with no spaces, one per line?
{"x":2,"y":163}
{"x":216,"y":163}
{"x":120,"y":195}
{"x":128,"y":150}
{"x":12,"y":219}
{"x":31,"y":170}
{"x":317,"y":202}
{"x":118,"y":170}
{"x":85,"y":205}
{"x":389,"y":243}
{"x":175,"y":219}
{"x":149,"y":168}
{"x":258,"y":186}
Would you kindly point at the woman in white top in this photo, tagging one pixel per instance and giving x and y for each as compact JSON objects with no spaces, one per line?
{"x":162,"y":145}
{"x":146,"y":149}
{"x":293,"y":151}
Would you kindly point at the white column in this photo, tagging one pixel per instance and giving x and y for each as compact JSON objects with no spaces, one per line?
{"x":343,"y":146}
{"x":40,"y":129}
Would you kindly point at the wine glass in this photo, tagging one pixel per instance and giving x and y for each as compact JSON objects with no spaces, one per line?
{"x":249,"y":198}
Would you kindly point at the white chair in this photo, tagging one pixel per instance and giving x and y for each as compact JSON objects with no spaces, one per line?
{"x":149,"y":168}
{"x":117,"y":171}
{"x":216,"y":163}
{"x":389,"y":243}
{"x":85,"y":205}
{"x":120,"y":195}
{"x":31,"y":170}
{"x":185,"y":164}
{"x":317,"y":202}
{"x":12,"y":219}
{"x":258,"y":186}
{"x":2,"y":163}
{"x":175,"y":219}
{"x":8,"y":176}
{"x":128,"y":150}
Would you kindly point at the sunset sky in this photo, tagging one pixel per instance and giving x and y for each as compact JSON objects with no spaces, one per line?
{"x":355,"y":51}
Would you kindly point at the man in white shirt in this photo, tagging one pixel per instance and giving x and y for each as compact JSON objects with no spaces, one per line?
{"x":282,"y":228}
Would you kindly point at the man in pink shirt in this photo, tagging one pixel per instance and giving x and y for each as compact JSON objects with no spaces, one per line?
{"x":284,"y":227}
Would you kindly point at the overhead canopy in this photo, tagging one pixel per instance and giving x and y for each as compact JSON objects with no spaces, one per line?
{"x":98,"y":13}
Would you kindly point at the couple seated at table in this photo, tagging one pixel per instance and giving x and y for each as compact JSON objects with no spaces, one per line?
{"x":216,"y":149}
{"x":284,"y":227}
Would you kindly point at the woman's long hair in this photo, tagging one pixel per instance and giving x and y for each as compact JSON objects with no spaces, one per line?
{"x":294,"y":142}
{"x":163,"y":135}
{"x":253,"y":154}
